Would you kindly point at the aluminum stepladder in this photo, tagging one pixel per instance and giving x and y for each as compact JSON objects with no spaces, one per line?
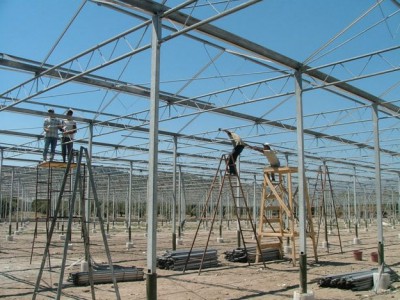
{"x":239,"y":202}
{"x":45,"y":190}
{"x":77,"y":189}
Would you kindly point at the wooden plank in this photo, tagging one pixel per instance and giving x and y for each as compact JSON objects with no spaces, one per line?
{"x":281,"y":170}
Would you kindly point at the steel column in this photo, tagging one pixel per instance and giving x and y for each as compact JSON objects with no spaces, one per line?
{"x":378,"y":187}
{"x":301,"y":174}
{"x":175,"y":154}
{"x":151,"y":282}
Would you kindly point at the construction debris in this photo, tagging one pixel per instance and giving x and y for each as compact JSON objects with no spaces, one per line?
{"x":102,"y":274}
{"x":355,"y":281}
{"x":176,"y":260}
{"x":249,"y":254}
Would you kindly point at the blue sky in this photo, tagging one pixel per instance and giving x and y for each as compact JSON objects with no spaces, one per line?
{"x":29,"y":29}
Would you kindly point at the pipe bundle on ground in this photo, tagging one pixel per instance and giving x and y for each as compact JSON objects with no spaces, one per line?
{"x":103,"y":275}
{"x":355,"y":281}
{"x":176,"y":260}
{"x":249,"y":254}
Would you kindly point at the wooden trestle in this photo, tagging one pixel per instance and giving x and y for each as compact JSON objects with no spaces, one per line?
{"x":278,"y":220}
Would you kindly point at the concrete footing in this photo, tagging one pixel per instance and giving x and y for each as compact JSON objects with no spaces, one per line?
{"x":381,"y":282}
{"x":220,"y":239}
{"x":70,"y":247}
{"x":129,"y":245}
{"x":179,"y":241}
{"x":84,"y":266}
{"x":62,"y":237}
{"x":324,"y":245}
{"x":356,"y":241}
{"x":303,"y":296}
{"x":9,"y":238}
{"x":287,"y":250}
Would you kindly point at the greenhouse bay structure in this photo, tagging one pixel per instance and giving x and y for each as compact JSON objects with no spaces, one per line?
{"x":152,"y":83}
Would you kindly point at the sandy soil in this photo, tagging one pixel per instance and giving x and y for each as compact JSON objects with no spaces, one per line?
{"x":277,"y":280}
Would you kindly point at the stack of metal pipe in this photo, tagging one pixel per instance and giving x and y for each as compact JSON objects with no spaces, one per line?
{"x":249,"y":254}
{"x":176,"y":260}
{"x":355,"y":281}
{"x":104,"y":275}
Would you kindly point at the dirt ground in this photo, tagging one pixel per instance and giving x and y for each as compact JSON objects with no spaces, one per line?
{"x":277,"y":280}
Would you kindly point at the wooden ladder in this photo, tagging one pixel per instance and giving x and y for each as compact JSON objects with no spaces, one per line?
{"x":277,"y":220}
{"x":239,"y":204}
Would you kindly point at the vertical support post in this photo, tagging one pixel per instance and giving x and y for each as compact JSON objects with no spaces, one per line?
{"x":398,"y":205}
{"x":301,"y":173}
{"x":11,"y":197}
{"x":129,"y":212}
{"x":254,"y":201}
{"x":182,"y":203}
{"x":356,"y":213}
{"x":378,"y":187}
{"x":179,"y":201}
{"x":87,"y":201}
{"x":151,"y":282}
{"x":17,"y":206}
{"x":348,"y":206}
{"x":173,"y":209}
{"x":108,"y":198}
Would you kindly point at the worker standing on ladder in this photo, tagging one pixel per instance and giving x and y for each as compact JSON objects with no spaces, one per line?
{"x":270,"y":155}
{"x":69,"y":129}
{"x":51,"y":125}
{"x":238,"y":146}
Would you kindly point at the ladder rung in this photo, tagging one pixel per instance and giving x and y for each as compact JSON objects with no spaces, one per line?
{"x":272,"y":234}
{"x":273,"y":207}
{"x":273,"y":220}
{"x":271,"y":245}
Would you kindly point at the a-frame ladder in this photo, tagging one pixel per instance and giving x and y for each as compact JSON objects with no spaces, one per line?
{"x":324,"y":179}
{"x":239,"y":203}
{"x":77,"y":189}
{"x":277,"y":212}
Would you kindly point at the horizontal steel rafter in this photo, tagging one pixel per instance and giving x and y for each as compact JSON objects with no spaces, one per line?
{"x":268,"y":54}
{"x":102,"y":82}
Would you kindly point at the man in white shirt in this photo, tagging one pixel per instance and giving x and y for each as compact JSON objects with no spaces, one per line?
{"x":270,"y":155}
{"x":238,"y":146}
{"x":69,"y":129}
{"x":51,"y":125}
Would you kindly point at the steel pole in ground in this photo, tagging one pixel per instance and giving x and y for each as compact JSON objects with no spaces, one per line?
{"x":378,"y":187}
{"x":173,"y":210}
{"x":301,"y":174}
{"x":151,"y":282}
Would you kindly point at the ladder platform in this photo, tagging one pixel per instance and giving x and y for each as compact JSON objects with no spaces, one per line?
{"x":281,"y":170}
{"x":55,"y":164}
